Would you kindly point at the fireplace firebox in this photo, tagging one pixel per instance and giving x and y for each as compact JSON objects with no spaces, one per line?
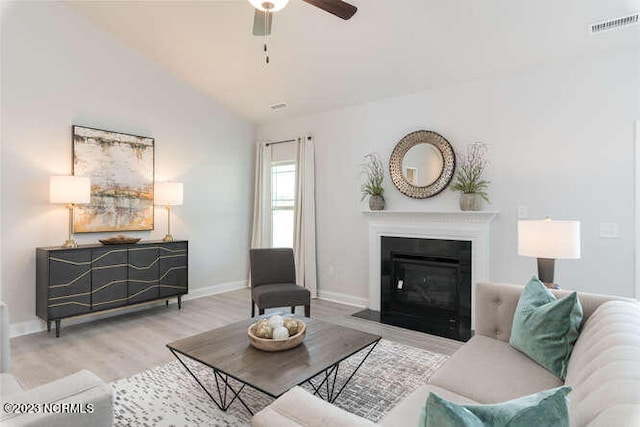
{"x":426,"y":285}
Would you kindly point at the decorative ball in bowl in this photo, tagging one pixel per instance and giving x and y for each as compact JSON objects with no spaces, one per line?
{"x":276,"y":333}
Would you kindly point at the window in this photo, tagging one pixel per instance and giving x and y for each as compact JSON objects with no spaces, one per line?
{"x":283,"y":190}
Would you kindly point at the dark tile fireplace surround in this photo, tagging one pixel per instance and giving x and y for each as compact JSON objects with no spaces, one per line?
{"x":426,"y":286}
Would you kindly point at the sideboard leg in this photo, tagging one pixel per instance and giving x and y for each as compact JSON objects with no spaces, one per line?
{"x":179,"y":302}
{"x":48,"y":326}
{"x":57,"y":328}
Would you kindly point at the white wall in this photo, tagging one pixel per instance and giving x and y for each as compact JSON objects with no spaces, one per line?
{"x":59,"y":70}
{"x":561,"y":142}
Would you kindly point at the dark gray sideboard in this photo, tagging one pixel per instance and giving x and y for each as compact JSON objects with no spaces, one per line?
{"x":94,"y":278}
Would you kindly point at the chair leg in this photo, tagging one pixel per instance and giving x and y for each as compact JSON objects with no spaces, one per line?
{"x":293,"y":309}
{"x":260,"y":311}
{"x":253,"y":309}
{"x":307,"y":310}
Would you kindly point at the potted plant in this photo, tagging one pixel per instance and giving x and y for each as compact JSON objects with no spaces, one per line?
{"x":373,"y":170}
{"x":469,"y":178}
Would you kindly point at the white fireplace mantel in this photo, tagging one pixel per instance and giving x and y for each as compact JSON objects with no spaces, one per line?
{"x":446,"y":225}
{"x":437,"y":216}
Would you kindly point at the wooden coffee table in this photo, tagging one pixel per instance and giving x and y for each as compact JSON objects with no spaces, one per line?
{"x":227,"y":351}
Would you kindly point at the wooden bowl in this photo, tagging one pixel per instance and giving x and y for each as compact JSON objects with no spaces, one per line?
{"x":267,"y":344}
{"x":119,"y":240}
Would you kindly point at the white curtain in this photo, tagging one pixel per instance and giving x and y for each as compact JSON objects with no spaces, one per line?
{"x":304,"y":234}
{"x":261,"y":231}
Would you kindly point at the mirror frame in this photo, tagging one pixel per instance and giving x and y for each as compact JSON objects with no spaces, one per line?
{"x":401,"y":149}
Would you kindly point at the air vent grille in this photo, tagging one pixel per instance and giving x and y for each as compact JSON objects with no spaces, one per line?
{"x":278,"y":106}
{"x":613,"y":24}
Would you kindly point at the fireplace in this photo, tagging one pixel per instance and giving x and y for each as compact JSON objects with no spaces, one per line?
{"x":426,"y":285}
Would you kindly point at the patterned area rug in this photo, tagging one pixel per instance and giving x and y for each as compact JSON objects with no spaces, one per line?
{"x":169,"y":396}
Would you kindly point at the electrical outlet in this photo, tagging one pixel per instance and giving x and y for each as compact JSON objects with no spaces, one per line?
{"x":331,"y":272}
{"x":523,"y":212}
{"x":609,"y":230}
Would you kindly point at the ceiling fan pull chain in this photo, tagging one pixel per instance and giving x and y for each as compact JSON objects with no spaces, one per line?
{"x":266,"y":36}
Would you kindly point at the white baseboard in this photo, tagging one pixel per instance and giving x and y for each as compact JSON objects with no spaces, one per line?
{"x":343,"y":298}
{"x":216,"y":289}
{"x":27,"y":327}
{"x":37,"y":325}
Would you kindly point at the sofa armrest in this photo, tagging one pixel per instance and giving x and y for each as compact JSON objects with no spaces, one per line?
{"x":5,"y":349}
{"x":80,"y":399}
{"x":496,"y":305}
{"x":297,"y":407}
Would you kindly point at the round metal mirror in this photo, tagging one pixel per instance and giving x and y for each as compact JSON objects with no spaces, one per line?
{"x":422,"y":164}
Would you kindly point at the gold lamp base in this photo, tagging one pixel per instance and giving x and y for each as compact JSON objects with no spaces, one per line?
{"x":70,"y":244}
{"x":167,"y":238}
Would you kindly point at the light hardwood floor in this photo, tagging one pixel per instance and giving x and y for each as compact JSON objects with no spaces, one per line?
{"x":124,"y":345}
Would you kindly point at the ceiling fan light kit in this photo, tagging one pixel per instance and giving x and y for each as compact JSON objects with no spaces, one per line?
{"x":269,"y":5}
{"x":263,"y":16}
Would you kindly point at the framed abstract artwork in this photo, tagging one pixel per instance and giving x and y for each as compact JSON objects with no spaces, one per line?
{"x":121,"y":168}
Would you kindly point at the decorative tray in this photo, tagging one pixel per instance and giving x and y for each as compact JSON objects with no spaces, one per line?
{"x":119,"y":240}
{"x":268,"y":344}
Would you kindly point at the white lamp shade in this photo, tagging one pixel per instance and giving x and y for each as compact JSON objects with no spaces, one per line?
{"x":69,"y":189}
{"x":270,"y":5}
{"x":549,"y":239}
{"x":168,"y":194}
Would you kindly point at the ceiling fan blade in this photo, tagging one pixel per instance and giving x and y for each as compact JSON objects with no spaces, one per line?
{"x":259,"y":28}
{"x":336,"y":7}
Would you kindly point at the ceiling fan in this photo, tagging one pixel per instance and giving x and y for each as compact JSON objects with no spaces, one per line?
{"x":263,"y":17}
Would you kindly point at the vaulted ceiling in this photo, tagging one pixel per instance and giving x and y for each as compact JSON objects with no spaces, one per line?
{"x":389,"y":48}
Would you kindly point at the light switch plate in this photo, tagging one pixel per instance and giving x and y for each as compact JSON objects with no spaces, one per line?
{"x":523,"y":211}
{"x":609,"y":230}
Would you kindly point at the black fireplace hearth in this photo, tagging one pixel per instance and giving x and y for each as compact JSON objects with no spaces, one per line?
{"x":426,"y":285}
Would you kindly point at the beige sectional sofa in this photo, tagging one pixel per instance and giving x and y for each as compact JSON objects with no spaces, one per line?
{"x":66,"y":399}
{"x":604,"y":369}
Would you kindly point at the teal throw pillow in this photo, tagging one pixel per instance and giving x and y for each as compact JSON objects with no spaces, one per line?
{"x":546,"y":328}
{"x":546,"y":408}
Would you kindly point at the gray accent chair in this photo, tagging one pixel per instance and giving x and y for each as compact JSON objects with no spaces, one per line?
{"x":273,"y":281}
{"x":80,"y":391}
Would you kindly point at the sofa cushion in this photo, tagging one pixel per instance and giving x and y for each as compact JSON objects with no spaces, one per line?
{"x":495,"y":305}
{"x":604,"y":369}
{"x":280,"y":294}
{"x":8,"y":385}
{"x":298,"y":407}
{"x":407,"y":411}
{"x":546,"y":408}
{"x":545,"y":328}
{"x":83,"y":388}
{"x":490,"y":371}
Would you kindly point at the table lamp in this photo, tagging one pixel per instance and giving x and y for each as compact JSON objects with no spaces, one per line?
{"x":547,"y":241}
{"x":69,"y":191}
{"x":168,"y":194}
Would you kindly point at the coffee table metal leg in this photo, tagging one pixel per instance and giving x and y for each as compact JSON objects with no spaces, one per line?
{"x":333,"y":371}
{"x":227,"y":385}
{"x":222,"y":404}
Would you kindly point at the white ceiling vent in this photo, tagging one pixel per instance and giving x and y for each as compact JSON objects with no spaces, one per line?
{"x":614,"y":24}
{"x":279,"y":106}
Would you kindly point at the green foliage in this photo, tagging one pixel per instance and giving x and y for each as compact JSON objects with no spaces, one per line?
{"x":373,"y":170}
{"x":468,"y":177}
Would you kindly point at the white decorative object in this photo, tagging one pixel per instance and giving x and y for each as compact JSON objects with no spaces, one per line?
{"x":276,"y":321}
{"x":280,"y":333}
{"x":270,"y":5}
{"x":268,"y":344}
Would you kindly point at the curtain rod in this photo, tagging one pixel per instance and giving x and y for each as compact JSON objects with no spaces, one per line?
{"x":282,"y":142}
